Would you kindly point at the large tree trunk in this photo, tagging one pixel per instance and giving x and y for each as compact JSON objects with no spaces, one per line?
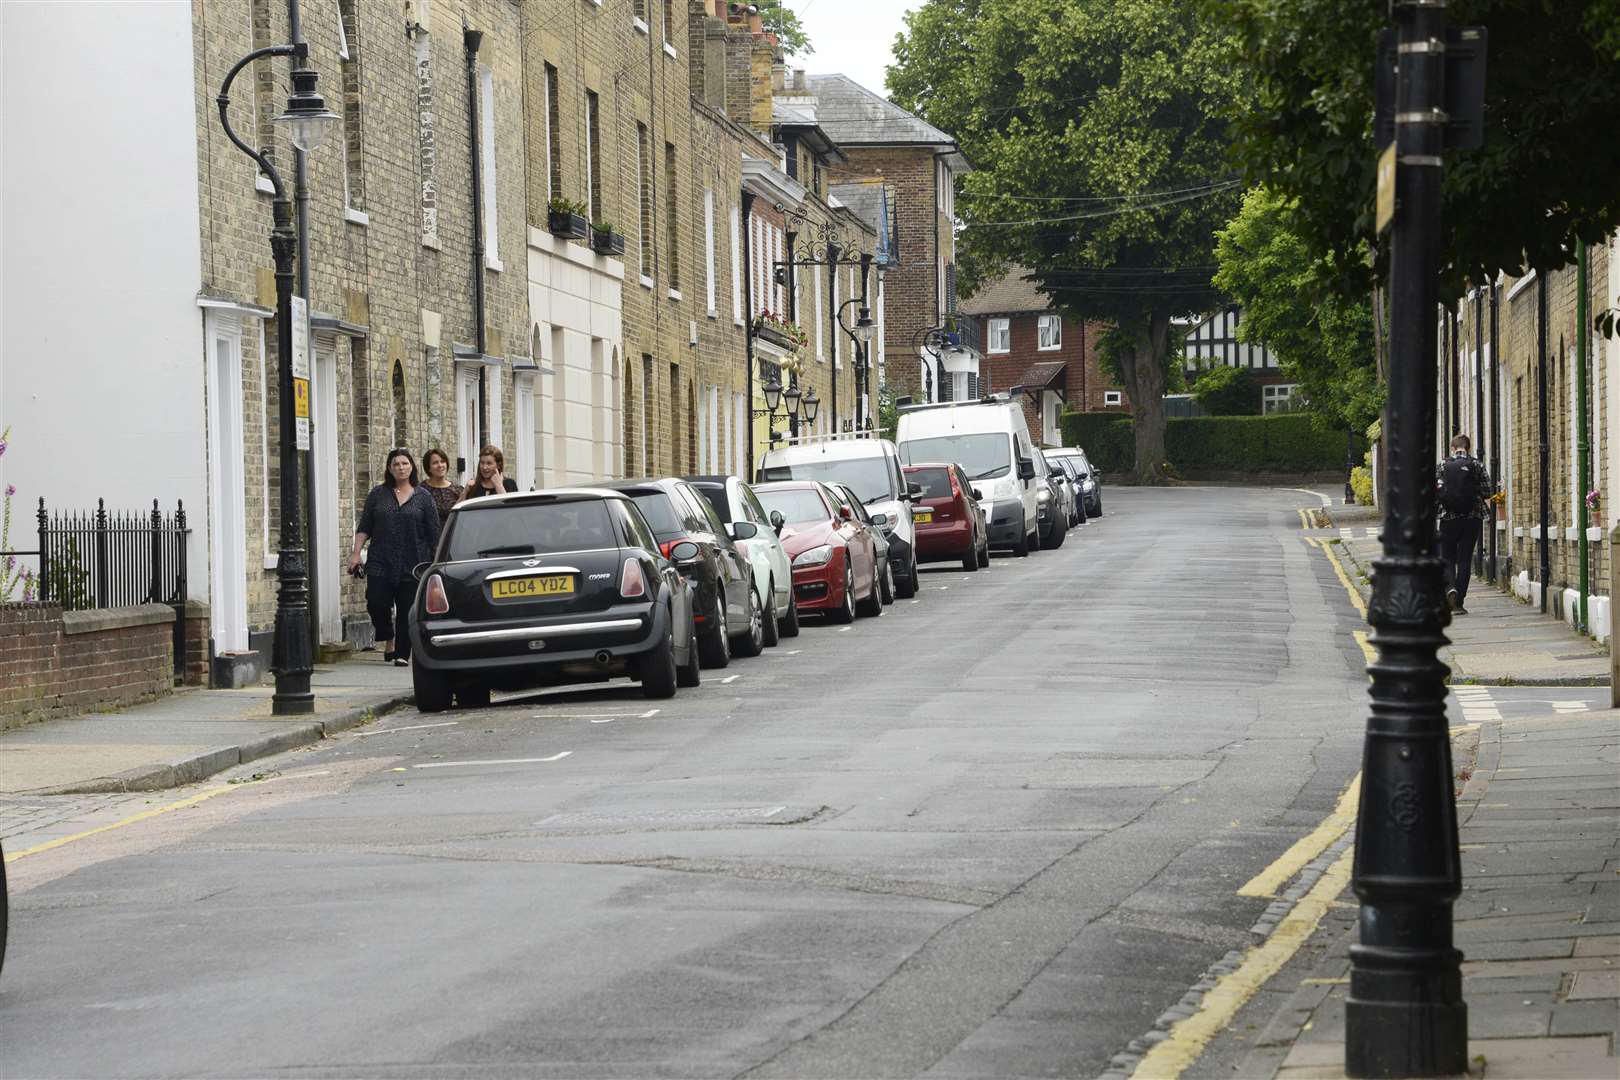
{"x":1143,"y":367}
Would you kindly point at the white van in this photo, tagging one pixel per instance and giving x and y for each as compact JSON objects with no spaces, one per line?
{"x":869,"y":466}
{"x":990,"y":440}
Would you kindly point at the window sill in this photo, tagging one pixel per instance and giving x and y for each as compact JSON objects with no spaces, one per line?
{"x":638,"y":24}
{"x":262,"y":182}
{"x":647,"y":282}
{"x":1049,"y":348}
{"x":271,"y":562}
{"x":713,"y":314}
{"x":997,"y":352}
{"x":356,"y":217}
{"x":675,"y":294}
{"x":493,"y":263}
{"x":669,"y":50}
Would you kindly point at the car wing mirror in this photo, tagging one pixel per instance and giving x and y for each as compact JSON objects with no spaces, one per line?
{"x":880,"y":520}
{"x":743,"y":530}
{"x":1026,"y":469}
{"x":685,"y":553}
{"x":978,"y":493}
{"x":778,"y":522}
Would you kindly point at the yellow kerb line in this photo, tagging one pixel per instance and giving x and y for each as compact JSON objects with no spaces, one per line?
{"x":145,"y":815}
{"x":1309,"y":846}
{"x":1187,"y":1039}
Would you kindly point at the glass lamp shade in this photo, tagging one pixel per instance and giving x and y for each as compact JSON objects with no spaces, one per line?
{"x":307,"y":130}
{"x":773,"y":394}
{"x":865,"y":328}
{"x":812,"y":405}
{"x":792,"y":395}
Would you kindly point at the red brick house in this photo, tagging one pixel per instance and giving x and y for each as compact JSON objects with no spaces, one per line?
{"x":1048,"y":357}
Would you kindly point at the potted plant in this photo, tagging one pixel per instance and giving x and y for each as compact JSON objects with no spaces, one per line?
{"x":779,"y":331}
{"x":605,"y":240}
{"x":567,"y":219}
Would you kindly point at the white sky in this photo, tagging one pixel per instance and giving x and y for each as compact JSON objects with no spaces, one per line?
{"x":851,"y":37}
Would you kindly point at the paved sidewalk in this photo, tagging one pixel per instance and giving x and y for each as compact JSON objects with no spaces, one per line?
{"x":190,"y":734}
{"x":1501,"y":641}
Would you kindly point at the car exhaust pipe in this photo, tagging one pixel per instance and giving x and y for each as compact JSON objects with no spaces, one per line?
{"x":603,"y":658}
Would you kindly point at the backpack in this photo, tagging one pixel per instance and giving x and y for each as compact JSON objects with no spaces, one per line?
{"x":1459,"y":486}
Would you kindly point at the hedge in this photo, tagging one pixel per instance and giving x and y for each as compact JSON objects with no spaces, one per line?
{"x":1281,"y":443}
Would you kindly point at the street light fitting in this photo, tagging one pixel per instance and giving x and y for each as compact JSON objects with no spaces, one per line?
{"x":308,"y":121}
{"x":812,"y":405}
{"x":865,"y":328}
{"x":791,"y":397}
{"x":773,"y":394}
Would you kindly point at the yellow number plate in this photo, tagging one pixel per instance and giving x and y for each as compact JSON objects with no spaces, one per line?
{"x":528,"y":588}
{"x":922,"y":517}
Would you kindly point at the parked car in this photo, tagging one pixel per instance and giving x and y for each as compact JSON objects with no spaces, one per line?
{"x":547,"y":587}
{"x":735,"y":502}
{"x":726,"y":611}
{"x":990,"y":440}
{"x":1055,"y":501}
{"x":872,"y":523}
{"x":1062,"y":470}
{"x":834,"y":560}
{"x":1090,"y":478}
{"x":872,"y":468}
{"x":950,"y":522}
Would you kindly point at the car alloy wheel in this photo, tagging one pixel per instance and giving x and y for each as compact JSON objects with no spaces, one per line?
{"x":715,"y":645}
{"x":753,"y":642}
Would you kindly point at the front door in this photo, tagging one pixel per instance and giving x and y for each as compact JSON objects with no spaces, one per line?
{"x":227,"y":509}
{"x":323,"y":470}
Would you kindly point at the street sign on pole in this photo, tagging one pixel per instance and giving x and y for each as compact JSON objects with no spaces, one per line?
{"x":300,"y":338}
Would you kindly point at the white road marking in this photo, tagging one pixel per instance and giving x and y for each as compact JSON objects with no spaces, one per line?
{"x":408,"y":727}
{"x":843,"y":629}
{"x":502,"y":761}
{"x":916,"y":601}
{"x":729,"y":679}
{"x":1571,"y":706}
{"x":794,"y":652}
{"x":1477,"y":704}
{"x":649,"y":714}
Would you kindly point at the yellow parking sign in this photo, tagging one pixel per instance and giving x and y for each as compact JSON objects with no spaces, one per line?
{"x":301,"y":398}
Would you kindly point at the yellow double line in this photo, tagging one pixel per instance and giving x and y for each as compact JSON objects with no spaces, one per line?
{"x":145,"y":815}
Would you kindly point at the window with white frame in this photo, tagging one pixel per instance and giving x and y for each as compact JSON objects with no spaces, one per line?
{"x":1113,"y":397}
{"x":1279,"y":398}
{"x":593,"y":154}
{"x":998,"y":335}
{"x":708,"y":248}
{"x":486,"y":136}
{"x":736,"y":267}
{"x":1050,"y":332}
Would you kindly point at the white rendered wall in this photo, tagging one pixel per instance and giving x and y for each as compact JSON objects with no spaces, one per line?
{"x":101,"y":346}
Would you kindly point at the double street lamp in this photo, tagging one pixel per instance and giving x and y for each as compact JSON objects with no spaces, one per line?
{"x":799,"y":404}
{"x":307,"y":122}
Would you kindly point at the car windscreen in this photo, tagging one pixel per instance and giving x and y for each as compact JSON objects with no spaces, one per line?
{"x":797,"y":505}
{"x":525,"y":528}
{"x":869,"y":476}
{"x":936,"y":483}
{"x":661,"y":513}
{"x":982,"y":457}
{"x":717,"y":499}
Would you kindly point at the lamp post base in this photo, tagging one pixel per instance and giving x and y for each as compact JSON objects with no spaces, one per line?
{"x":1412,"y":1038}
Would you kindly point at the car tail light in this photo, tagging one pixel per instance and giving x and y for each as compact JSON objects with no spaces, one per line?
{"x":632,"y":582}
{"x":433,"y":598}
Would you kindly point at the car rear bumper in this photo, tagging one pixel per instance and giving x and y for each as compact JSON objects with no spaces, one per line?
{"x":519,"y":651}
{"x":944,"y":540}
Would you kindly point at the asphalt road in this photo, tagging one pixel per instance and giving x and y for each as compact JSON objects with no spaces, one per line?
{"x":995,"y":832}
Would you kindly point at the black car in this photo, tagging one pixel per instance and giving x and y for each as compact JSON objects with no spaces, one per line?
{"x":1090,"y":478}
{"x":679,"y":513}
{"x":550,"y":587}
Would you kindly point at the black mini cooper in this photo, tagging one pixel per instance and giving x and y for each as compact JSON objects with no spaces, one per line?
{"x":550,"y":587}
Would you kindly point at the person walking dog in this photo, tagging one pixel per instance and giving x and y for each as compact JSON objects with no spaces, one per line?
{"x":401,"y":523}
{"x":1463,"y":484}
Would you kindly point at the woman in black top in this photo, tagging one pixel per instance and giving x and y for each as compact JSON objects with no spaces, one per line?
{"x":439,"y":488}
{"x":490,"y":477}
{"x":402,"y":525}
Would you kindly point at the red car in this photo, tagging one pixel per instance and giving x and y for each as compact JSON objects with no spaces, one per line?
{"x":834,"y":560}
{"x":947,"y":516}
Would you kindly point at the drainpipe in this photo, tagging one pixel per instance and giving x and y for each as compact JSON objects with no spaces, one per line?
{"x":1496,"y":423}
{"x":1479,"y":416}
{"x":472,"y":39}
{"x":1541,"y":407}
{"x":1583,"y":435}
{"x":748,"y":315}
{"x":1446,"y":414}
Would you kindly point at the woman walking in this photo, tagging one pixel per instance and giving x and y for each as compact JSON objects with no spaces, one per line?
{"x":490,"y":477}
{"x":402,"y":525}
{"x":444,"y":494}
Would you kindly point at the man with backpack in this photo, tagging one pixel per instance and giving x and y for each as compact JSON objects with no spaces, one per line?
{"x":1464,"y":484}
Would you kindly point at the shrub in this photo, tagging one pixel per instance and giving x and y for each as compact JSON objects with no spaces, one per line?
{"x":1361,"y":483}
{"x":1108,"y":439}
{"x":1227,"y":391}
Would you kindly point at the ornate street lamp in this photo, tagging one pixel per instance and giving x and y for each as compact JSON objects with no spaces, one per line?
{"x":812,"y":405}
{"x":307,"y":121}
{"x":773,"y":395}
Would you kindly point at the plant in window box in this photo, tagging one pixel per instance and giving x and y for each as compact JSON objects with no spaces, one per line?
{"x":567,"y":219}
{"x":779,"y":331}
{"x":605,"y":240}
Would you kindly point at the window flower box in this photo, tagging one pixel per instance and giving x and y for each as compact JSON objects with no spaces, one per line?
{"x":775,"y":329}
{"x":606,"y":241}
{"x":566,"y":219}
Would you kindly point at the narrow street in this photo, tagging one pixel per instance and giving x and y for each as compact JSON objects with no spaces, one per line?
{"x":997,"y":839}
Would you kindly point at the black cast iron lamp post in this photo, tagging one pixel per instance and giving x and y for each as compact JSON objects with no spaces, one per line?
{"x":307,"y":122}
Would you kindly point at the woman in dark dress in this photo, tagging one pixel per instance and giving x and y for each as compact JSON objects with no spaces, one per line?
{"x":490,"y":477}
{"x":443,"y":492}
{"x":402,"y":525}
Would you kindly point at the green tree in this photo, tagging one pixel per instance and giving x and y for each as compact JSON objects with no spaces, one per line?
{"x":783,"y":21}
{"x":1321,"y":339}
{"x":1544,"y":176}
{"x":1097,"y":129}
{"x":1228,"y":391}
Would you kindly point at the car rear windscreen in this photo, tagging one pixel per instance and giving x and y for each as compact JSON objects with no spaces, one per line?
{"x":936,"y":483}
{"x":869,"y":476}
{"x":661,"y":514}
{"x":982,"y":457}
{"x":797,"y":505}
{"x":529,"y":528}
{"x":717,"y":499}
